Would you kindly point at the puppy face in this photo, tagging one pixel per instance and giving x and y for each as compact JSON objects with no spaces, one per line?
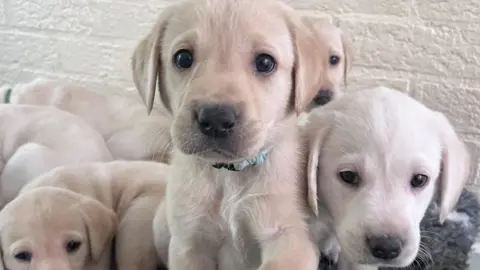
{"x":229,"y":74}
{"x":378,"y":156}
{"x":50,"y":228}
{"x":338,"y":57}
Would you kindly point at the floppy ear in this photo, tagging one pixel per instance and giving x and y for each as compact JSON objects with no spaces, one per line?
{"x":309,"y":66}
{"x":455,"y":167}
{"x":348,"y":55}
{"x":315,"y":130}
{"x":147,"y":64}
{"x":101,"y":224}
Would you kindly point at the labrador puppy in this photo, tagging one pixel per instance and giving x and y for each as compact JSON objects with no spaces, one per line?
{"x":36,"y":139}
{"x":234,"y":74}
{"x":339,"y":59}
{"x":51,"y":228}
{"x":132,"y":190}
{"x":129,"y":132}
{"x":376,"y":159}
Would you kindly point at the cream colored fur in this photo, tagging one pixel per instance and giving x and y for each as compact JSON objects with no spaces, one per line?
{"x":386,"y":138}
{"x":34,"y":140}
{"x":129,"y":132}
{"x":254,"y":218}
{"x":130,"y":190}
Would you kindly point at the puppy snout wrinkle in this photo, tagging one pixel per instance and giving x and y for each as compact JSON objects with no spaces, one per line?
{"x":216,"y":120}
{"x":385,"y":247}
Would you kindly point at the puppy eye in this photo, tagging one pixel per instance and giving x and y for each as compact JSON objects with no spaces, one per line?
{"x":349,"y":177}
{"x":183,"y":59}
{"x":334,"y":60}
{"x":72,"y":246}
{"x":419,"y":180}
{"x":23,"y":256}
{"x":264,"y":63}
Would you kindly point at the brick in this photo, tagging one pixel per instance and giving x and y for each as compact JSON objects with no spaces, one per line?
{"x":460,"y":105}
{"x":411,"y":48}
{"x":445,"y":10}
{"x":385,"y":7}
{"x":103,"y":18}
{"x":105,"y":60}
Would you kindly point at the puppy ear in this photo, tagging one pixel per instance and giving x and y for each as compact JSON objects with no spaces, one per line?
{"x":348,"y":55}
{"x":101,"y":224}
{"x":309,"y":64}
{"x":147,"y":63}
{"x":455,"y":167}
{"x":316,"y":130}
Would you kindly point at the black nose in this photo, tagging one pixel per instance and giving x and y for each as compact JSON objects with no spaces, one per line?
{"x":385,"y":247}
{"x":216,"y":120}
{"x":323,"y":97}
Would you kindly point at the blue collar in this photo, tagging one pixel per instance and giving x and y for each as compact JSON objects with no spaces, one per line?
{"x":238,"y":166}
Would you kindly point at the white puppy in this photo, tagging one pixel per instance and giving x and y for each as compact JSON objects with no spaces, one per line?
{"x":35,"y":139}
{"x":129,"y":131}
{"x":377,"y":157}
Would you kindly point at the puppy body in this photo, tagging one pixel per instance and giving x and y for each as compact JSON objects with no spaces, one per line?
{"x":131,"y":189}
{"x":130,"y":133}
{"x":367,"y":150}
{"x":233,"y":80}
{"x":35,"y":139}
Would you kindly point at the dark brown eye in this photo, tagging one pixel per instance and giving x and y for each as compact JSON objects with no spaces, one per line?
{"x":264,"y":63}
{"x":419,"y":180}
{"x":23,"y":256}
{"x":349,"y":177}
{"x":334,"y":60}
{"x":183,"y":59}
{"x":72,"y":246}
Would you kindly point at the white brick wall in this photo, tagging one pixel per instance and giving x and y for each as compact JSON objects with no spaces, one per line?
{"x":428,"y":48}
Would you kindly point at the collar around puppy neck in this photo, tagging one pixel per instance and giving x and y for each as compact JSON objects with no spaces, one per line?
{"x":238,"y":166}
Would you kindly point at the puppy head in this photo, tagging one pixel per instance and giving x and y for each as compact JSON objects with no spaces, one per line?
{"x":377,"y":156}
{"x":52,"y":228}
{"x":229,"y":75}
{"x":338,"y":57}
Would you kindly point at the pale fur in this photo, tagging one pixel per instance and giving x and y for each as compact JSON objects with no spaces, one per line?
{"x":253,"y":218}
{"x":132,"y":190}
{"x":387,"y":137}
{"x":35,"y":139}
{"x":129,"y":132}
{"x":334,"y":77}
{"x":44,"y":220}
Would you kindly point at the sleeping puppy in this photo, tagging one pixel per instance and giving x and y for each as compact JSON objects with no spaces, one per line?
{"x":53,"y":228}
{"x":339,"y":59}
{"x":376,"y":159}
{"x":131,"y":189}
{"x":35,"y":139}
{"x":233,"y":80}
{"x":129,"y":132}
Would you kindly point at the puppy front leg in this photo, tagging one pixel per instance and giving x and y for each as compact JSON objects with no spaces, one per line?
{"x":192,"y":254}
{"x":284,"y":237}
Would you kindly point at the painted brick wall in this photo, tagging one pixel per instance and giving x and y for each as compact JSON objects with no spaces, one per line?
{"x":428,"y":48}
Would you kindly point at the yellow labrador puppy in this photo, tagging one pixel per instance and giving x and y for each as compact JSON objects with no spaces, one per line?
{"x":376,"y":159}
{"x":130,"y":189}
{"x":35,"y":139}
{"x":129,"y":132}
{"x":234,"y":74}
{"x":52,"y":228}
{"x":339,"y":59}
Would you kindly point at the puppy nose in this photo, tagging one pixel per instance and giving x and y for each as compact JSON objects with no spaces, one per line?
{"x":385,"y":247}
{"x":323,"y":96}
{"x":216,"y":120}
